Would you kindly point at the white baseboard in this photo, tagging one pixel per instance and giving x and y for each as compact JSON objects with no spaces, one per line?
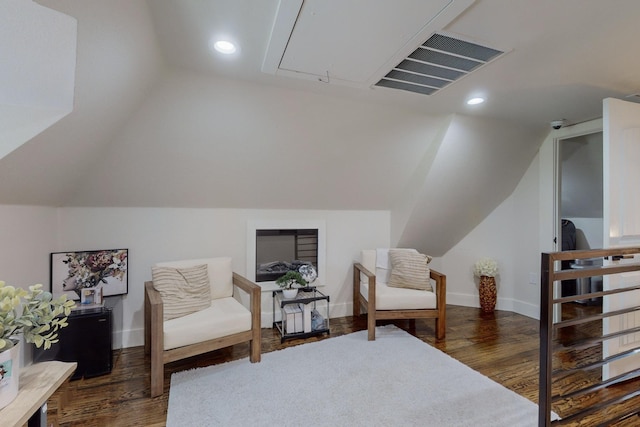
{"x":526,"y":309}
{"x":507,"y":304}
{"x":131,"y":338}
{"x":464,"y":300}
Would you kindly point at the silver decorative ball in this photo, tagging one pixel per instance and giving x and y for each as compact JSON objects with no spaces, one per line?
{"x":308,"y":273}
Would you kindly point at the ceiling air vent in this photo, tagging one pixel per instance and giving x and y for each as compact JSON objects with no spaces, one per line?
{"x":436,"y":63}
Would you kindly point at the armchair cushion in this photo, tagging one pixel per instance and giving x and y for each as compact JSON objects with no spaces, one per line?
{"x":224,"y":317}
{"x":409,"y":269}
{"x":183,"y":290}
{"x":388,"y":298}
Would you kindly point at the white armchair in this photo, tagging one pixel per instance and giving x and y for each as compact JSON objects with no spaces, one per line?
{"x":371,"y":290}
{"x":221,"y":323}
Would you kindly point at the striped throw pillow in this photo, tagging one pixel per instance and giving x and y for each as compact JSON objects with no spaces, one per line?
{"x":409,"y":269}
{"x":183,"y":290}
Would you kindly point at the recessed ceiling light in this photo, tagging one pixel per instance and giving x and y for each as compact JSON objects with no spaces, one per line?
{"x":475,"y":101}
{"x":224,"y":46}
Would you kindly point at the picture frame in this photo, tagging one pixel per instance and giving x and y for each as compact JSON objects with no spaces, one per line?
{"x":87,"y":295}
{"x":103,"y":272}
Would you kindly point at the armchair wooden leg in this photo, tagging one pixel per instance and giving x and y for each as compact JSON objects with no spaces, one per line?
{"x":440,"y":328}
{"x":356,"y":292}
{"x":157,"y":375}
{"x":412,"y":325}
{"x":147,"y":325}
{"x":371,"y":326}
{"x":255,"y":349}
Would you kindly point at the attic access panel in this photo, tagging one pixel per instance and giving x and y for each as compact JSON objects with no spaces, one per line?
{"x":351,"y":42}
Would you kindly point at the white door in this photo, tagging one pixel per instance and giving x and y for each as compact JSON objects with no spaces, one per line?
{"x":621,"y":216}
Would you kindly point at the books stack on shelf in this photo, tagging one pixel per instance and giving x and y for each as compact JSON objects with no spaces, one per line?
{"x":293,"y":318}
{"x":302,"y":318}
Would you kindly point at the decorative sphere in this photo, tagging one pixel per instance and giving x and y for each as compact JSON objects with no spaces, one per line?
{"x":308,"y":273}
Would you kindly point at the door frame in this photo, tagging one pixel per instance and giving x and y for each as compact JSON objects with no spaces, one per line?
{"x":591,"y":127}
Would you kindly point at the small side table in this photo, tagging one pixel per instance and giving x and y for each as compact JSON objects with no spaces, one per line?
{"x":37,"y":383}
{"x":304,"y":316}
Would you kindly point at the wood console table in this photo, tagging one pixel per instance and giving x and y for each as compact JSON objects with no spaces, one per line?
{"x":37,"y":383}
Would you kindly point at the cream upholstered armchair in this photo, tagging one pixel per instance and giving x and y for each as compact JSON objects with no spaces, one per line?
{"x":189,"y":309}
{"x":394,"y":284}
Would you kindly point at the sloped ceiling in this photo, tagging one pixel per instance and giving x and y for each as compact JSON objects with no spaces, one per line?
{"x":481,"y":162}
{"x":37,"y":84}
{"x":562,"y":58}
{"x":118,"y":61}
{"x":206,"y":142}
{"x":160,"y":121}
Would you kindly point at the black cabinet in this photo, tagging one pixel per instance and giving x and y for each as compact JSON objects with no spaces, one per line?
{"x":87,"y":340}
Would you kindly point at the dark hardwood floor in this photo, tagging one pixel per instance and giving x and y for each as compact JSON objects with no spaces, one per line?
{"x":503,"y":346}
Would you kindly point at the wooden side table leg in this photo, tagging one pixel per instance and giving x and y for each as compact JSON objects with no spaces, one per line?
{"x":63,"y":398}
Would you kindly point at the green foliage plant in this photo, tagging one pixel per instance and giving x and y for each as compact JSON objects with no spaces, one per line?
{"x":289,"y":279}
{"x":33,"y":313}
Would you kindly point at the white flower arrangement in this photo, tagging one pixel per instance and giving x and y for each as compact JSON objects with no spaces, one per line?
{"x":485,"y":267}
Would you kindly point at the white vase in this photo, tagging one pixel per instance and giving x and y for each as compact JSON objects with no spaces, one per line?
{"x":289,"y":293}
{"x":9,"y":367}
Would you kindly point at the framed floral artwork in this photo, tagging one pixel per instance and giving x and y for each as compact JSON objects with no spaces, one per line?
{"x":104,"y":272}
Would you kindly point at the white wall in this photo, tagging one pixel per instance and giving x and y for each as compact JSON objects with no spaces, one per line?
{"x":582,"y":188}
{"x":163,"y":234}
{"x":477,"y":166}
{"x":515,"y":234}
{"x":509,"y":236}
{"x":27,"y":235}
{"x":208,"y":142}
{"x":582,"y":185}
{"x":589,"y":233}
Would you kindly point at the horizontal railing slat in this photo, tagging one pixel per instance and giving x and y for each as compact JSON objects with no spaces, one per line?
{"x":617,"y":390}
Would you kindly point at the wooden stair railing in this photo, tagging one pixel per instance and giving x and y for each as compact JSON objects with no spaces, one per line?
{"x":571,"y":355}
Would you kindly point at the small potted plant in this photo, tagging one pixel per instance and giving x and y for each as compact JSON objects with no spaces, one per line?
{"x":287,"y":281}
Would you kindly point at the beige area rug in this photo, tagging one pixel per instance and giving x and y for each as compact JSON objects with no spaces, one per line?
{"x":396,"y":380}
